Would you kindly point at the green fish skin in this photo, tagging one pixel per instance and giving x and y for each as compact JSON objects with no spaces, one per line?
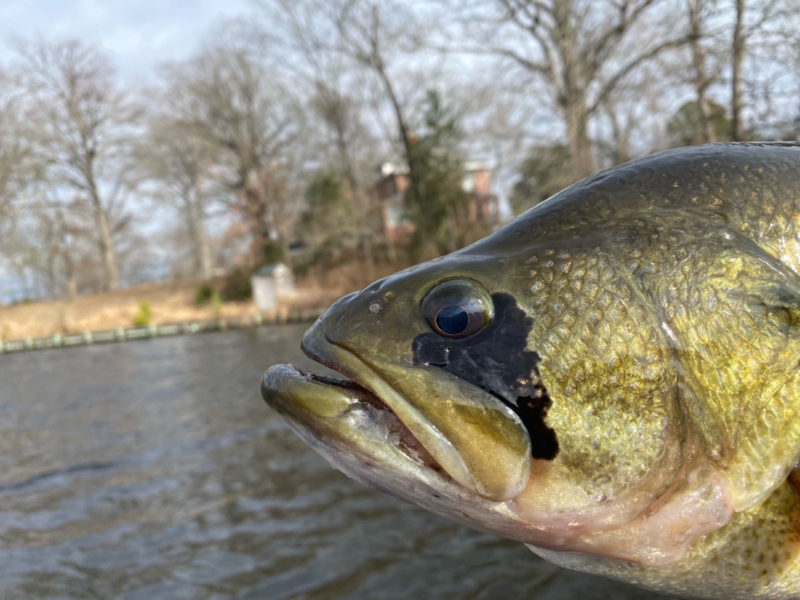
{"x":612,"y":378}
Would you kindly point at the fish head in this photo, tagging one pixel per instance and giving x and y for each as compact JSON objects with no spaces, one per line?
{"x":466,"y":397}
{"x":472,"y":436}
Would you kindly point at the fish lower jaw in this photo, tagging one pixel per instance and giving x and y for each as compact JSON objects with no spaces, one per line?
{"x":364,"y":399}
{"x":340,"y":410}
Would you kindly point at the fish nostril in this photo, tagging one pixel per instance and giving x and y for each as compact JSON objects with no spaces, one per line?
{"x":336,"y":312}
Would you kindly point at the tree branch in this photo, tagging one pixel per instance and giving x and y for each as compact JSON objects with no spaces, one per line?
{"x":623,"y":72}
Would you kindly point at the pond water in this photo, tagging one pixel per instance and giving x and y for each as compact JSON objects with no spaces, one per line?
{"x":154,"y":470}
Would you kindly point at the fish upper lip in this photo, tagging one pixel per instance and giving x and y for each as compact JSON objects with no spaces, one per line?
{"x":352,"y":380}
{"x":318,"y":357}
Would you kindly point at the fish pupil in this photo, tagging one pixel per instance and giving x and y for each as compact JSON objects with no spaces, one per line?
{"x":452,"y":320}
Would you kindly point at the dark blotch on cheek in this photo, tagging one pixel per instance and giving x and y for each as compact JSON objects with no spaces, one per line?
{"x":496,"y":360}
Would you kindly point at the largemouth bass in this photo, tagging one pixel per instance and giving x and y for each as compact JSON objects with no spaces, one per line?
{"x":612,"y":379}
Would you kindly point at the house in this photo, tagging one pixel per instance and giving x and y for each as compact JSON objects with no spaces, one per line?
{"x":390,"y":191}
{"x":482,"y":206}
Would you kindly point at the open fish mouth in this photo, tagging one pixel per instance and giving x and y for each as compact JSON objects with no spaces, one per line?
{"x":321,"y":395}
{"x":435,"y":418}
{"x":306,"y":398}
{"x":341,"y":413}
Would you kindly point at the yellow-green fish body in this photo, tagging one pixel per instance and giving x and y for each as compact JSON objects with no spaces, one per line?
{"x":612,"y":378}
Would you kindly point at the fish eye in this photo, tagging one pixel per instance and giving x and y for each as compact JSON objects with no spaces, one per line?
{"x":457,"y":308}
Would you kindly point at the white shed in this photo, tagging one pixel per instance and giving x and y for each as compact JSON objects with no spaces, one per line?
{"x":270,"y":282}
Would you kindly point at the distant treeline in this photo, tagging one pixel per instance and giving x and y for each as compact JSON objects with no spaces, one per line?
{"x":271,"y":134}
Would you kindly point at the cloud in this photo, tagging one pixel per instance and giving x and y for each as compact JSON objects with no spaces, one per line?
{"x":138,"y":33}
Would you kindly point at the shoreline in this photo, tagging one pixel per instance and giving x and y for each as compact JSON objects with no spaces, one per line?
{"x":171,"y":309}
{"x":126,"y":334}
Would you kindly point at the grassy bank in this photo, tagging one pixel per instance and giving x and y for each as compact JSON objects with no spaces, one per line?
{"x":172,"y":303}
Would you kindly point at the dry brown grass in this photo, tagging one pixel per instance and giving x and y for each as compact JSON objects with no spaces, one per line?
{"x":172,"y":303}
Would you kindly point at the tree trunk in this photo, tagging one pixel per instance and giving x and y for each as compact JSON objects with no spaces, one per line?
{"x":580,"y":149}
{"x":621,"y":150}
{"x":358,"y":199}
{"x":71,"y":286}
{"x":190,"y":215}
{"x":108,"y":255}
{"x":573,"y":89}
{"x":264,"y":248}
{"x":739,"y":42}
{"x":198,"y":236}
{"x":52,"y":278}
{"x":206,"y":263}
{"x":53,"y":234}
{"x":701,"y":79}
{"x":406,"y":136}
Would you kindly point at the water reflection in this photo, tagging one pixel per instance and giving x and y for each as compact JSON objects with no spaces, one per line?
{"x":154,"y":470}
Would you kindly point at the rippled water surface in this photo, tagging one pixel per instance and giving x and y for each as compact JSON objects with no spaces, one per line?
{"x":154,"y":470}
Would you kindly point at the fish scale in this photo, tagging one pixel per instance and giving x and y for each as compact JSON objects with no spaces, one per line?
{"x":588,"y":371}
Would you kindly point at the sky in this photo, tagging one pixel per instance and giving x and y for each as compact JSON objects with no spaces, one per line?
{"x":139,"y":34}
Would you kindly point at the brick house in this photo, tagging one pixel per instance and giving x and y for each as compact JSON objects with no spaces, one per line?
{"x":482,"y":208}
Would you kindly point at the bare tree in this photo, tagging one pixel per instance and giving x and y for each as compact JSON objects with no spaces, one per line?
{"x":382,"y":38}
{"x":31,"y":232}
{"x":229,"y":98}
{"x":42,"y":244}
{"x":698,"y":11}
{"x":305,"y":35}
{"x":738,"y":48}
{"x":84,"y":126}
{"x":377,"y":39}
{"x":177,"y":164}
{"x":18,"y":159}
{"x":758,"y":28}
{"x":370,"y":33}
{"x":581,"y":51}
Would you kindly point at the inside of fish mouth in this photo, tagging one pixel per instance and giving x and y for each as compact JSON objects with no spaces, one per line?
{"x":361,"y":393}
{"x":397,"y":432}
